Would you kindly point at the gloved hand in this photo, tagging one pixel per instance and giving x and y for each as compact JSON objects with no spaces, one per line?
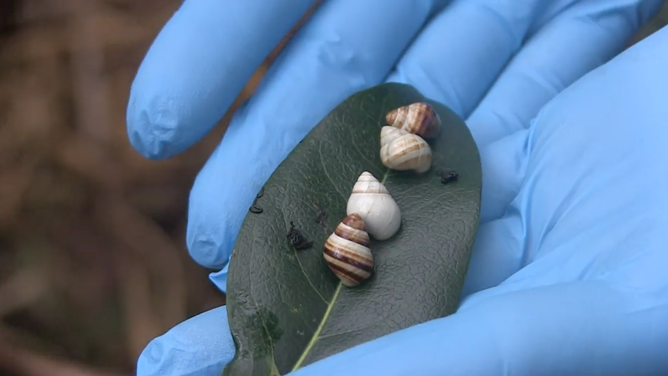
{"x":569,"y":270}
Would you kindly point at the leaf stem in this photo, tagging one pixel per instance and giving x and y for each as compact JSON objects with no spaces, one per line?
{"x":316,"y":335}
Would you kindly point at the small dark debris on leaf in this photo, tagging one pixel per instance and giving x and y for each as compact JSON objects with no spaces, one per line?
{"x":254,"y":208}
{"x":447,"y":176}
{"x":322,"y":215}
{"x":297,"y":239}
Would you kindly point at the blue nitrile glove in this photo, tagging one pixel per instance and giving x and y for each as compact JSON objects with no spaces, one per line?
{"x":570,"y":269}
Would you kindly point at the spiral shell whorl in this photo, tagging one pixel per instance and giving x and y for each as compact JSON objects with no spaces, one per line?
{"x":405,"y":151}
{"x":417,"y":118}
{"x":389,"y":134}
{"x":367,"y":183}
{"x":374,"y":204}
{"x":347,"y":252}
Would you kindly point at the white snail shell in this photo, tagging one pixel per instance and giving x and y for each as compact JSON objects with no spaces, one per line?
{"x":347,"y":252}
{"x":417,"y":118}
{"x":400,"y":150}
{"x":373,"y":203}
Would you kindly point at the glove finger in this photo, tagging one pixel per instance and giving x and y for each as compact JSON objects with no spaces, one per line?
{"x":498,"y":250}
{"x":572,"y":44}
{"x":589,"y":180}
{"x":462,"y":50}
{"x":339,"y":51}
{"x":200,"y":346}
{"x":497,"y":254}
{"x":595,"y":150}
{"x":578,"y":328}
{"x":196,"y":67}
{"x":504,"y":164}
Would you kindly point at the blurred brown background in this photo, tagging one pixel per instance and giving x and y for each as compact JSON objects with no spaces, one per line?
{"x":93,"y":262}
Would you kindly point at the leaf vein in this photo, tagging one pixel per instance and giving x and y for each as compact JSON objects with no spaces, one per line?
{"x":344,"y":332}
{"x":357,"y":148}
{"x":324,"y":168}
{"x":299,"y":262}
{"x":309,"y":280}
{"x":257,"y":309}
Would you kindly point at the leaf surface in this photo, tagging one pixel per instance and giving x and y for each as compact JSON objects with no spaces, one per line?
{"x":286,"y":308}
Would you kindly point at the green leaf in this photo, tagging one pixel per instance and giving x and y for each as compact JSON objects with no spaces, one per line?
{"x":286,"y":308}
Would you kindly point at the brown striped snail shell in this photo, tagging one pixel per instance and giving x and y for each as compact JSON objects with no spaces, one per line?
{"x":402,"y":151}
{"x":347,"y":252}
{"x":417,"y":118}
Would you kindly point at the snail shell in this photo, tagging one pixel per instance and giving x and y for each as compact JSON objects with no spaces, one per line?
{"x":417,"y":118}
{"x":347,"y":252}
{"x":373,"y":203}
{"x":400,"y":150}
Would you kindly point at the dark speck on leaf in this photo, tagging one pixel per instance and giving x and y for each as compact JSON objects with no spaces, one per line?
{"x":297,"y":239}
{"x":321,"y":217}
{"x":447,"y":176}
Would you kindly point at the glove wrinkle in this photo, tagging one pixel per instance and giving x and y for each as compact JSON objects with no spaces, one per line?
{"x":581,"y":38}
{"x":504,"y":165}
